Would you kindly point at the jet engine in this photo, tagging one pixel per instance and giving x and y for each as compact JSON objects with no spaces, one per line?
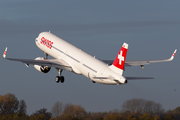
{"x":43,"y":69}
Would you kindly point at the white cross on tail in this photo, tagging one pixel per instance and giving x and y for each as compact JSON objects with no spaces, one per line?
{"x":120,"y":57}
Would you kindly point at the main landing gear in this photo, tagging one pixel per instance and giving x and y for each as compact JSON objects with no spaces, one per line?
{"x":59,"y":78}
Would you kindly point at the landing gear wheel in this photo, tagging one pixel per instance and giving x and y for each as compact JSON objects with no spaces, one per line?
{"x":57,"y":79}
{"x":60,"y":78}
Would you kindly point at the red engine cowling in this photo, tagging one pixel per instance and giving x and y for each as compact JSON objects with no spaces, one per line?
{"x":43,"y":69}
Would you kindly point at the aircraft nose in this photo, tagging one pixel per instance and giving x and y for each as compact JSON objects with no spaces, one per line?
{"x":36,"y":40}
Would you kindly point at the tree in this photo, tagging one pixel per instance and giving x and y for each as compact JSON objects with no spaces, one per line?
{"x":169,"y":117}
{"x":113,"y":116}
{"x":9,"y":104}
{"x":173,"y":114}
{"x":177,"y":109}
{"x":73,"y":112}
{"x":41,"y":114}
{"x":57,"y":109}
{"x":22,"y":106}
{"x":98,"y":115}
{"x":145,"y":116}
{"x":153,"y":108}
{"x":142,"y":106}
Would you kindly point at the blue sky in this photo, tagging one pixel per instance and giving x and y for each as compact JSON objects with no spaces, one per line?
{"x":151,"y":28}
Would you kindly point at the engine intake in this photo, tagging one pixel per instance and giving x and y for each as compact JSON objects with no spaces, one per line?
{"x":43,"y":69}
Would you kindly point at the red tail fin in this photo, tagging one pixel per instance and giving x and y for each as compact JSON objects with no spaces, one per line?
{"x":118,"y":64}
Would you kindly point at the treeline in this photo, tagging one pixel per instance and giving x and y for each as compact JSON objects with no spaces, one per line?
{"x":135,"y":109}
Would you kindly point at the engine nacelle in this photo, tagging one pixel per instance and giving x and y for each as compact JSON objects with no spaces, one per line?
{"x":43,"y":69}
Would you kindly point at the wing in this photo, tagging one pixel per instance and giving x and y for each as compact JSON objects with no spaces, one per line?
{"x":142,"y":62}
{"x":57,"y":63}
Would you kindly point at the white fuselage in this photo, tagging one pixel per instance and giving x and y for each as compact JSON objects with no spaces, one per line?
{"x":80,"y":61}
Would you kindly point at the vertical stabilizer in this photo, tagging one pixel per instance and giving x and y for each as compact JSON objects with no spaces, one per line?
{"x":118,"y":64}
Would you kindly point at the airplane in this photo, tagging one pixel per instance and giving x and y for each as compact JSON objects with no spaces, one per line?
{"x":71,"y":58}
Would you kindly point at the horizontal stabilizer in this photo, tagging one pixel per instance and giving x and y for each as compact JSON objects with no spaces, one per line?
{"x":138,"y":78}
